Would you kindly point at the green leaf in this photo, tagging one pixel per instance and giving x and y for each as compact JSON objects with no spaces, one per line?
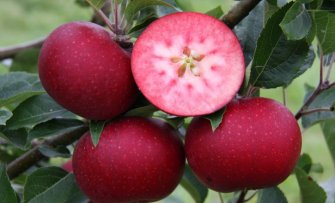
{"x":324,"y":100}
{"x":312,"y":33}
{"x":26,"y":61}
{"x":269,"y":9}
{"x":203,"y":6}
{"x":216,"y":12}
{"x":305,"y":1}
{"x":305,"y":162}
{"x":325,"y":30}
{"x":96,"y":128}
{"x":191,"y":184}
{"x":311,"y":192}
{"x":136,"y":5}
{"x":40,"y":180}
{"x":54,"y":127}
{"x":35,"y":110}
{"x":216,"y":118}
{"x":273,"y":195}
{"x":175,"y":121}
{"x":328,"y":5}
{"x":314,"y":5}
{"x":97,"y":4}
{"x":51,"y":152}
{"x":50,"y":184}
{"x":82,"y":3}
{"x":296,"y":23}
{"x":248,"y":31}
{"x":277,"y":61}
{"x":17,"y":137}
{"x":143,"y":111}
{"x":18,"y":86}
{"x":141,"y":25}
{"x":4,"y":116}
{"x":317,"y":168}
{"x":328,"y":129}
{"x":7,"y":193}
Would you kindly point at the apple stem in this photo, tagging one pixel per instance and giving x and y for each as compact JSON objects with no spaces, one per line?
{"x":116,"y":20}
{"x":284,"y":96}
{"x":251,"y":90}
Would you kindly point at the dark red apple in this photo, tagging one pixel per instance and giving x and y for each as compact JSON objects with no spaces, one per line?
{"x":188,"y":64}
{"x":257,"y":145}
{"x":84,"y":70}
{"x":136,"y":160}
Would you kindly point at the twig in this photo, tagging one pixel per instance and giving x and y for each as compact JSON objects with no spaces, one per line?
{"x":306,"y":112}
{"x":11,"y":51}
{"x":321,"y":68}
{"x":31,"y":157}
{"x":322,"y":86}
{"x":242,"y":196}
{"x":238,"y":12}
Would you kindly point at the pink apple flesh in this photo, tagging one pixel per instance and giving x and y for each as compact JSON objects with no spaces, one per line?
{"x":188,"y":64}
{"x":257,"y":145}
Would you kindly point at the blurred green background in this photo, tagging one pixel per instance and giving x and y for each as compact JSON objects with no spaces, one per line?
{"x":25,"y":20}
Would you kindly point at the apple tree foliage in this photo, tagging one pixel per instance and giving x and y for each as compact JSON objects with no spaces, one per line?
{"x":280,"y":40}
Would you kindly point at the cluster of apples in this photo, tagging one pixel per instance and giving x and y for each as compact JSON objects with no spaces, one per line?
{"x":186,"y":64}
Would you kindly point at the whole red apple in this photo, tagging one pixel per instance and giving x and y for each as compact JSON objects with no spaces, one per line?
{"x":84,"y":70}
{"x":257,"y":145}
{"x":188,"y":64}
{"x":136,"y":160}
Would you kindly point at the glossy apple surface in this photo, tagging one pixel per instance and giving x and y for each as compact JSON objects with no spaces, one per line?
{"x":136,"y":160}
{"x":84,"y":70}
{"x":257,"y":145}
{"x":188,"y":64}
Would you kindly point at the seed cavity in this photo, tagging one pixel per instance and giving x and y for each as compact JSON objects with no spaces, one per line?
{"x":189,"y":60}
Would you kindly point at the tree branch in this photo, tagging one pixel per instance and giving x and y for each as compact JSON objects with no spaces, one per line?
{"x":319,"y":89}
{"x":31,"y":157}
{"x":11,"y":51}
{"x":238,"y":12}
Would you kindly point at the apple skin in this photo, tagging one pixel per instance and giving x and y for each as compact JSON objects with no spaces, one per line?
{"x":85,"y":71}
{"x":68,"y":166}
{"x":257,"y":145}
{"x":136,"y":160}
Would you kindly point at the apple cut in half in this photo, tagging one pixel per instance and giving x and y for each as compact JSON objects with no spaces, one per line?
{"x":188,"y":64}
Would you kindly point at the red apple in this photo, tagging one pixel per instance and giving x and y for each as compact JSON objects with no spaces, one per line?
{"x":136,"y":160}
{"x":188,"y":64}
{"x":84,"y":70}
{"x":257,"y":145}
{"x":68,"y":166}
